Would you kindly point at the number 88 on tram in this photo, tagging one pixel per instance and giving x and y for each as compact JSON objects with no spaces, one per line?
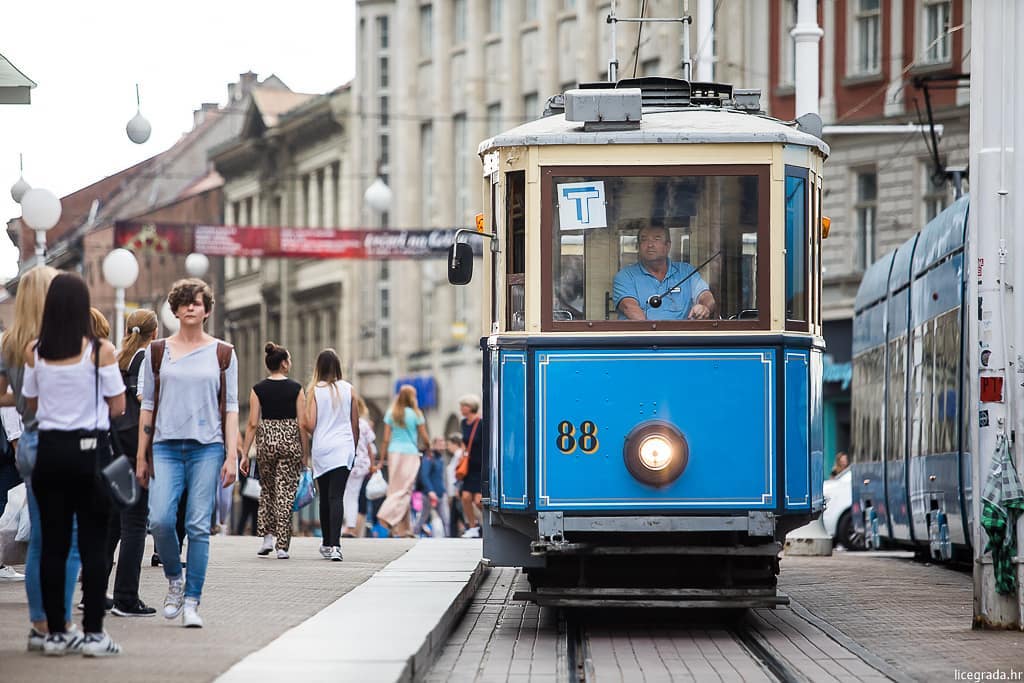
{"x":653,"y":359}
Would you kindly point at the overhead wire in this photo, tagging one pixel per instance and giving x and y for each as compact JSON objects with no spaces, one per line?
{"x":639,"y":32}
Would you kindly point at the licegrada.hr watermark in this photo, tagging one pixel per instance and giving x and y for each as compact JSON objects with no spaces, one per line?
{"x":997,"y":675}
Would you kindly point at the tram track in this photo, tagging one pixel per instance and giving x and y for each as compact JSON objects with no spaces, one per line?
{"x":583,"y":641}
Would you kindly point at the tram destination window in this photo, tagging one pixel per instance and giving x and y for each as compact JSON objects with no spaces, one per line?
{"x":656,"y":248}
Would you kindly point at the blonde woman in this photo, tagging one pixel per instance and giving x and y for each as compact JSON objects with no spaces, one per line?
{"x":402,"y":425}
{"x":366,"y":452}
{"x":129,"y":526}
{"x":28,"y":315}
{"x":332,"y":420}
{"x":276,"y":408}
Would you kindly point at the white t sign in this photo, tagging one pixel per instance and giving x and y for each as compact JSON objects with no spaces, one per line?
{"x":581,"y":205}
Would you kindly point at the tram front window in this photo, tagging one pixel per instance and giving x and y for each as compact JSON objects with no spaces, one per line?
{"x":651,"y":247}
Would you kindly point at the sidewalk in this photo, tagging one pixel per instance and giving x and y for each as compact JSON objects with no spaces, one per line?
{"x":915,"y":618}
{"x":248,"y":602}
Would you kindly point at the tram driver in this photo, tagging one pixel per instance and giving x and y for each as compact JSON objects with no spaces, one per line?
{"x":657,"y":288}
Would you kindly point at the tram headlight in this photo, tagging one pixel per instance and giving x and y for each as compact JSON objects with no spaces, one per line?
{"x":656,"y":453}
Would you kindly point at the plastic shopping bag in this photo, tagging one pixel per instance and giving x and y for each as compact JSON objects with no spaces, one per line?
{"x":14,"y":527}
{"x":304,"y":494}
{"x":377,"y":487}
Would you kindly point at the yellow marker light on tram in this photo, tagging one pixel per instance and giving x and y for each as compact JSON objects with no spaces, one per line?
{"x":655,"y":452}
{"x":826,"y":224}
{"x":480,"y":222}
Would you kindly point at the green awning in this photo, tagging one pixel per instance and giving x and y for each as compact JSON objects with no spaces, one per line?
{"x":15,"y":87}
{"x":840,"y":373}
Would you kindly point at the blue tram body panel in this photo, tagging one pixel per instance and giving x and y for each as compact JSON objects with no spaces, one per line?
{"x":817,"y":429}
{"x":798,"y":473}
{"x":723,"y":401}
{"x":513,"y":439}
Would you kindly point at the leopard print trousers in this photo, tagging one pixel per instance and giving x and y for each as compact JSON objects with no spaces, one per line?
{"x":279,"y":460}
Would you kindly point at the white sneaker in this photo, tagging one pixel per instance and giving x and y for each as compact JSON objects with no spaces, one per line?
{"x":60,"y":644}
{"x":473,"y":532}
{"x":336,"y":554}
{"x":99,"y":645}
{"x":191,"y":618}
{"x":35,"y":640}
{"x":282,"y":554}
{"x":175,"y":598}
{"x":268,"y":545}
{"x":325,"y":551}
{"x":9,"y":574}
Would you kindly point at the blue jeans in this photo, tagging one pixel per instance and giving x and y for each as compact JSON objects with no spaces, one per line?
{"x":33,"y":582}
{"x":178,"y":465}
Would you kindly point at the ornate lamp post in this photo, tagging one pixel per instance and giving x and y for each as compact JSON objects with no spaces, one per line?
{"x":40,"y":210}
{"x":196,"y":265}
{"x":120,"y":270}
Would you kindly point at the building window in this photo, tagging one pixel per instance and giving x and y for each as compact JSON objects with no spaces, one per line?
{"x":427,"y":316}
{"x":426,"y":31}
{"x":531,"y":106}
{"x":865,"y":209}
{"x":935,"y":40}
{"x":461,"y":142}
{"x":530,"y":10}
{"x":568,"y":4}
{"x":427,"y":173}
{"x":382,"y":152}
{"x":494,"y":118}
{"x":383,"y":111}
{"x":384,"y":310}
{"x":934,"y":197}
{"x":494,"y":17}
{"x":382,"y":72}
{"x":787,"y":61}
{"x":382,"y":33}
{"x":459,"y":22}
{"x":867,"y":37}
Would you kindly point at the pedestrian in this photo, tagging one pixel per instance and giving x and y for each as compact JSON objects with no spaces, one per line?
{"x":431,"y":483}
{"x":331,"y":418}
{"x":128,"y":526}
{"x":98,"y":324}
{"x":841,"y":464}
{"x":276,"y":405}
{"x":452,"y":484}
{"x":190,"y":415}
{"x":354,"y":501}
{"x":472,"y":482}
{"x":249,"y":518}
{"x":9,"y":476}
{"x":72,"y":383}
{"x":400,"y":449}
{"x":28,"y":314}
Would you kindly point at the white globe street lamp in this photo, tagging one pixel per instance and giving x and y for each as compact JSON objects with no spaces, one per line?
{"x":19,"y":188}
{"x":378,"y":195}
{"x":40,"y":210}
{"x":120,"y":270}
{"x":171,"y":323}
{"x":196,"y":265}
{"x":138,"y":128}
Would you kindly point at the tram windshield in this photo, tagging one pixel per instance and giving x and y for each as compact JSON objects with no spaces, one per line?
{"x":653,"y":247}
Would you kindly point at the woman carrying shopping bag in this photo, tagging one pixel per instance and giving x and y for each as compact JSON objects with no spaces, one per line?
{"x":366,"y":453}
{"x":402,"y":425}
{"x":276,"y":406}
{"x":74,"y":386}
{"x":332,"y":420}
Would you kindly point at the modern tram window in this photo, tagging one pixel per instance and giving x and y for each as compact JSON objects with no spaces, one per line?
{"x":796,"y":247}
{"x":608,"y":231}
{"x":515,"y":273}
{"x":869,"y":378}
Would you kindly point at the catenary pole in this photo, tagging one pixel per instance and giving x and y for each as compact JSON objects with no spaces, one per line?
{"x":994,"y":266}
{"x":806,"y":34}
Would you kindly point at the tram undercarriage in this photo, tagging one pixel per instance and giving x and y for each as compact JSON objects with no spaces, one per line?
{"x":732,"y":569}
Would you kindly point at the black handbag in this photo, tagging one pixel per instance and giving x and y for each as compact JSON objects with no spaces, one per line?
{"x":118,"y":475}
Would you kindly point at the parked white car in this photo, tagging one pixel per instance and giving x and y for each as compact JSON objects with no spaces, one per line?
{"x":838,"y":514}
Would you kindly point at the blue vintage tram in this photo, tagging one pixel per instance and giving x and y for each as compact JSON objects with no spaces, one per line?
{"x":652,"y":435}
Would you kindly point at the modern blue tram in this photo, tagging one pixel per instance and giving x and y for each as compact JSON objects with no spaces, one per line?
{"x":911,"y":455}
{"x":653,"y":355}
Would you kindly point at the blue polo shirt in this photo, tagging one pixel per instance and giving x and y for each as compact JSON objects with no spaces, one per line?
{"x":637,"y":282}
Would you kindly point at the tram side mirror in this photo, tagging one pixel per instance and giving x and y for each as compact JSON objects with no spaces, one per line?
{"x":460,"y":264}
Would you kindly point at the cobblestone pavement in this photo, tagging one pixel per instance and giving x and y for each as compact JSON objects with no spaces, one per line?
{"x":248,"y":601}
{"x":915,"y":617}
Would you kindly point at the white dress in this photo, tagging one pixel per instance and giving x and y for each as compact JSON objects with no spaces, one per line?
{"x":333,"y":443}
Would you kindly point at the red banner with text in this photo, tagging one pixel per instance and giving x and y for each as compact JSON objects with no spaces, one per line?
{"x":281,"y":242}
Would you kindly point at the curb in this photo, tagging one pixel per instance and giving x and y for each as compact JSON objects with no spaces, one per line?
{"x":418,"y":664}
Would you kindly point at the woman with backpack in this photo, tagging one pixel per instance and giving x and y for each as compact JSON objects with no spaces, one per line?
{"x":129,"y":526}
{"x":404,"y":426}
{"x":189,"y":412}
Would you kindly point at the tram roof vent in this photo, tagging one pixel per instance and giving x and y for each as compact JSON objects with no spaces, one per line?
{"x":660,"y":92}
{"x":605,"y":109}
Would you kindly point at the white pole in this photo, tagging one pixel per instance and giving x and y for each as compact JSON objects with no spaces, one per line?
{"x":119,"y":316}
{"x":806,"y":34}
{"x":995,"y":231}
{"x":40,"y":247}
{"x":705,"y":40}
{"x":613,"y":63}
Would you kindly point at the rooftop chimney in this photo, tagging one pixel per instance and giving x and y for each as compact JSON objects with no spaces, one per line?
{"x":246,"y":82}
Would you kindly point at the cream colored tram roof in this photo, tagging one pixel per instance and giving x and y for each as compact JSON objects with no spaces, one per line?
{"x":680,"y":126}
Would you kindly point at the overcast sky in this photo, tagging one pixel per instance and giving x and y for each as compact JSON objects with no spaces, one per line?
{"x":86,"y":58}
